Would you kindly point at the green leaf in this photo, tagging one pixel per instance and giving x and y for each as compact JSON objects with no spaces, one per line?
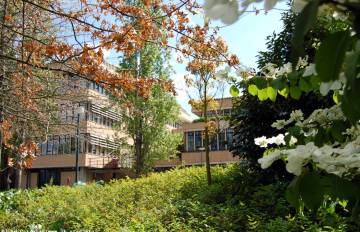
{"x":305,"y":85}
{"x":305,"y":20}
{"x":350,"y":103}
{"x":321,"y":137}
{"x":292,"y":193}
{"x":272,"y":93}
{"x":295,"y":92}
{"x":330,"y":56}
{"x":336,"y":97}
{"x":311,"y":190}
{"x":278,"y":83}
{"x":295,"y":131}
{"x":234,"y":91}
{"x":293,"y":77}
{"x":253,"y":90}
{"x":337,"y":187}
{"x":260,"y":82}
{"x":337,"y":129}
{"x":284,"y":92}
{"x":315,"y":82}
{"x":262,"y":94}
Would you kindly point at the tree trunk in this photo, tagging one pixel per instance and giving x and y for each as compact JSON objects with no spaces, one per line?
{"x":139,"y":165}
{"x":3,"y":160}
{"x":207,"y":142}
{"x":18,"y":179}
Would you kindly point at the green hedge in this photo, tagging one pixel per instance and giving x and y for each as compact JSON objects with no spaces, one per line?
{"x":178,"y":200}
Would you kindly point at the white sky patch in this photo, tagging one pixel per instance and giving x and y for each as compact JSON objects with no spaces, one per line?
{"x":181,"y":91}
{"x":106,"y":53}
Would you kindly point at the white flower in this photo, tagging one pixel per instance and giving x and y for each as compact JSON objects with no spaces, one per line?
{"x":298,"y":5}
{"x":297,"y":115}
{"x":279,"y":140}
{"x":269,"y":69}
{"x":311,"y":132}
{"x":302,"y":62}
{"x":266,"y":161}
{"x":309,"y":70}
{"x":299,"y":157}
{"x":261,"y":141}
{"x":279,"y":124}
{"x":292,"y":140}
{"x":285,"y":69}
{"x":339,"y":16}
{"x":325,"y":87}
{"x":224,"y":10}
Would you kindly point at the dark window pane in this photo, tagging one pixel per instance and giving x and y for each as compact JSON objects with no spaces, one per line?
{"x":61,"y":145}
{"x":198,"y":139}
{"x":190,"y":141}
{"x":49,"y":146}
{"x":222,"y":142}
{"x":213,"y":144}
{"x":56,"y":145}
{"x":89,"y":147}
{"x":229,"y":137}
{"x":49,"y":176}
{"x":73,"y":145}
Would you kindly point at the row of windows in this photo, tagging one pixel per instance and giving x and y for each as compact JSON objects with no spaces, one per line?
{"x":194,"y":140}
{"x":224,"y":112}
{"x":66,"y":144}
{"x":95,"y":86}
{"x":68,"y":114}
{"x":75,"y":82}
{"x":99,"y":119}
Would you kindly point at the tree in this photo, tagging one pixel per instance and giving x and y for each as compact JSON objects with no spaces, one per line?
{"x":145,"y":118}
{"x":203,"y":63}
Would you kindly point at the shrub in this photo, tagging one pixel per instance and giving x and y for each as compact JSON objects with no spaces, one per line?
{"x":178,"y":200}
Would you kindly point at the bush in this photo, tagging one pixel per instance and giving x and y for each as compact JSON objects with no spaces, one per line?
{"x":178,"y":200}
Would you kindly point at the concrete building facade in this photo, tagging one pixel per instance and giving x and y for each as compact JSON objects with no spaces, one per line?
{"x":193,"y":152}
{"x":86,"y":120}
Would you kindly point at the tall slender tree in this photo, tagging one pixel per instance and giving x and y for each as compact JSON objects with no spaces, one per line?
{"x":203,"y":63}
{"x":145,"y":118}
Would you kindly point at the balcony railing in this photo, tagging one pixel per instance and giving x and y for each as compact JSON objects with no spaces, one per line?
{"x":109,"y":162}
{"x":104,"y":162}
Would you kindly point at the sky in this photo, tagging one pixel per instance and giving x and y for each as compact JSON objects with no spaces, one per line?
{"x":245,"y":39}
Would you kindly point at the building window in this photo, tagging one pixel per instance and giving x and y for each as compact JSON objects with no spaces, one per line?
{"x":198,"y":139}
{"x":72,"y":144}
{"x":89,"y":146}
{"x":190,"y":141}
{"x":55,"y":145}
{"x":43,"y":148}
{"x":49,"y":176}
{"x":62,"y":145}
{"x":49,"y":147}
{"x":66,"y":144}
{"x":229,"y":137}
{"x":222,"y":142}
{"x":214,"y":143}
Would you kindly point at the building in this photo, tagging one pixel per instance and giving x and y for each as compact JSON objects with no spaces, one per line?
{"x":85,"y":113}
{"x":193,"y":151}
